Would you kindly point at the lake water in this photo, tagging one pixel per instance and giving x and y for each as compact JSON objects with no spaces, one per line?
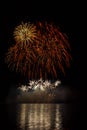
{"x":60,"y":116}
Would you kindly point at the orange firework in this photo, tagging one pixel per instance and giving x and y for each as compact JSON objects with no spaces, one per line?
{"x":40,"y":50}
{"x":21,"y":59}
{"x":54,"y":48}
{"x":22,"y":56}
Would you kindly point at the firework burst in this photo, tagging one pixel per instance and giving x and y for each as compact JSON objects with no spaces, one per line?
{"x":25,"y":33}
{"x":40,"y":50}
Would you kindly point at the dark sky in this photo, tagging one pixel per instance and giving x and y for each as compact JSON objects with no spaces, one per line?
{"x":69,"y":16}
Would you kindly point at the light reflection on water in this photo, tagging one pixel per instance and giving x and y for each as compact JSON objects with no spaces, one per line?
{"x":39,"y":117}
{"x":61,"y":116}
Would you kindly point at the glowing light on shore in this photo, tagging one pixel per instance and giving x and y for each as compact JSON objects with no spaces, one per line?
{"x":40,"y":85}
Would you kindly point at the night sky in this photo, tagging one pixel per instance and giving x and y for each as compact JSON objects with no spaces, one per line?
{"x":69,"y":16}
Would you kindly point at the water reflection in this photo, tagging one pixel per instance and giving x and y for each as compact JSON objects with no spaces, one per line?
{"x":39,"y":117}
{"x":62,"y":116}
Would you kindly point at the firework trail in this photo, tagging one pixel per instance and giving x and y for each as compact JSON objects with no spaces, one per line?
{"x":53,"y":50}
{"x":22,"y":56}
{"x":21,"y":59}
{"x":39,"y":50}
